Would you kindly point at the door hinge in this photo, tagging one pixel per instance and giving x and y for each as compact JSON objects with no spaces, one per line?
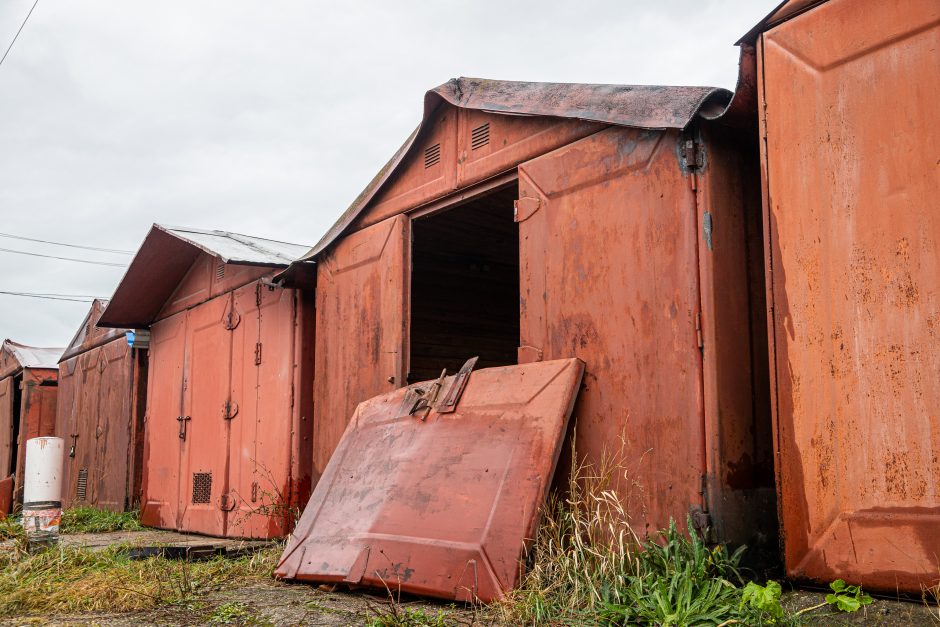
{"x":698,"y":330}
{"x":254,"y":491}
{"x":258,"y":294}
{"x":257,"y":353}
{"x":229,"y":410}
{"x":693,"y":154}
{"x":525,"y":207}
{"x":292,"y":395}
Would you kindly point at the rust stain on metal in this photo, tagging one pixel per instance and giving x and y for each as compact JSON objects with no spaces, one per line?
{"x":28,"y":379}
{"x":100,"y":379}
{"x":224,"y":437}
{"x":853,"y":275}
{"x":441,"y":506}
{"x":636,"y":250}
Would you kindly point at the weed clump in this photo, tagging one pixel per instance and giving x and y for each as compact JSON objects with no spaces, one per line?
{"x":94,"y":520}
{"x":589,"y":568}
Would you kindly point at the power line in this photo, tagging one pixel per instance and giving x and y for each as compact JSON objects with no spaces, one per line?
{"x":45,"y":241}
{"x":75,"y":298}
{"x":97,"y":263}
{"x":10,"y":47}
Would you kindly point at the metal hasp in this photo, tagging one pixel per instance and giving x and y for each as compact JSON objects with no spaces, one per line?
{"x":100,"y":407}
{"x":441,"y":507}
{"x":848,"y":97}
{"x":221,"y":417}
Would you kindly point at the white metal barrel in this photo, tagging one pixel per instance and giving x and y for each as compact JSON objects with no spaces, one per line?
{"x":42,"y":489}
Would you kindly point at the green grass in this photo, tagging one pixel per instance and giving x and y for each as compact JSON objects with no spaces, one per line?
{"x":589,"y":569}
{"x":61,"y":580}
{"x":398,"y":616}
{"x":94,"y":520}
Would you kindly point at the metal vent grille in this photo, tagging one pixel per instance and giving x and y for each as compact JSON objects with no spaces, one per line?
{"x":480,"y":136}
{"x":81,"y":488}
{"x":432,"y":155}
{"x":202,"y":487}
{"x":220,"y":271}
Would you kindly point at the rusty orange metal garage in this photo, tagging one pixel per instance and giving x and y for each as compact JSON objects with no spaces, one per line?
{"x":28,"y":380}
{"x":848,"y":92}
{"x":227,"y":426}
{"x":101,"y":398}
{"x":620,"y":225}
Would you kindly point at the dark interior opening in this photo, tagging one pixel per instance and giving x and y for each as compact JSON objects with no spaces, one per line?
{"x":15,"y":419}
{"x":465,"y":286}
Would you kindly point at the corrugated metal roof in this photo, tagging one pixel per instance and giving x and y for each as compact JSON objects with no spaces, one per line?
{"x":32,"y":356}
{"x":237,"y":248}
{"x":638,"y":106}
{"x":165,"y":257}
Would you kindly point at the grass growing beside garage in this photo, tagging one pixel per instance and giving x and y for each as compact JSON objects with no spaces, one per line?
{"x":588,"y":568}
{"x":94,"y":520}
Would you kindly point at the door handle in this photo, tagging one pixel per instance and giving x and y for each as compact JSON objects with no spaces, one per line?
{"x":183,"y":420}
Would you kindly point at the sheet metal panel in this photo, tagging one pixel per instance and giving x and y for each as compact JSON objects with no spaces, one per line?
{"x":361,"y":316}
{"x":204,"y":452}
{"x":609,"y":274}
{"x":850,"y":90}
{"x":115,"y":454}
{"x":37,"y":413}
{"x":160,"y":483}
{"x":6,"y":427}
{"x":263,"y":360}
{"x":441,"y":506}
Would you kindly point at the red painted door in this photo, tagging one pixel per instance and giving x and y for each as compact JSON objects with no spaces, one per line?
{"x":850,"y":92}
{"x":6,"y":427}
{"x":204,"y":449}
{"x":361,"y":315}
{"x":609,"y":274}
{"x":262,"y":382}
{"x":160,"y":484}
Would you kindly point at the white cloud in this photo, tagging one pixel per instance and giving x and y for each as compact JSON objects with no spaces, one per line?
{"x":269,"y":117}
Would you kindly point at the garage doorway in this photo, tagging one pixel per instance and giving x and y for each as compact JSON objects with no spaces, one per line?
{"x":465,"y":286}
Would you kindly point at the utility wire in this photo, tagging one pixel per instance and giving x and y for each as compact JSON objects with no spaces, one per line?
{"x":10,"y":47}
{"x":97,"y":263}
{"x":67,"y":297}
{"x":44,"y":241}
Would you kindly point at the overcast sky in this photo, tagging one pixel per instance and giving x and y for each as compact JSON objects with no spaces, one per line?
{"x":268,"y":118}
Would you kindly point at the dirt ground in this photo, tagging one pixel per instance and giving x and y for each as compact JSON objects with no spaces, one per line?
{"x":279,"y":603}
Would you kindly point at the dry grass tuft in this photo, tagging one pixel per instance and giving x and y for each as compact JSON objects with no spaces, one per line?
{"x":62,"y":580}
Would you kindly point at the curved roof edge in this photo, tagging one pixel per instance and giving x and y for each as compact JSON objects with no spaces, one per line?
{"x":638,"y":106}
{"x":781,"y":13}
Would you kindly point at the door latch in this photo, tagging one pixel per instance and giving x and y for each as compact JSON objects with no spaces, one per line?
{"x":74,"y":437}
{"x":449,"y":404}
{"x":183,"y":420}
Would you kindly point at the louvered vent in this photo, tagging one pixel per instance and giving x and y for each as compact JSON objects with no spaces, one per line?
{"x":81,"y":489}
{"x":480,"y":136}
{"x":220,"y":271}
{"x":432,"y":155}
{"x":202,"y":487}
